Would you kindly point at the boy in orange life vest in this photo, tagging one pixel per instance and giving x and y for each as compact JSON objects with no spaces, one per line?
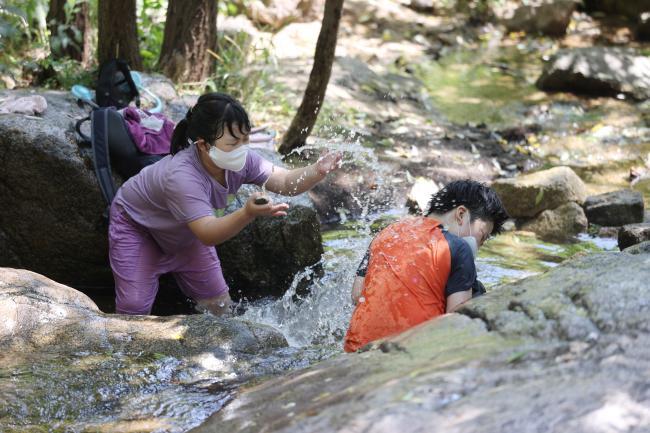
{"x":422,"y":267}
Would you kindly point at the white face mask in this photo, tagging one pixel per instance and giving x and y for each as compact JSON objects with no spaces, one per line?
{"x":471,"y":240}
{"x":233,"y":160}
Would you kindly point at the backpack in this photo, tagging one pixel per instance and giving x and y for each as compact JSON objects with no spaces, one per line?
{"x":112,"y":146}
{"x":115,"y":85}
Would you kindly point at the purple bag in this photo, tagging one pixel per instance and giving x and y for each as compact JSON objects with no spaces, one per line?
{"x":151,"y":132}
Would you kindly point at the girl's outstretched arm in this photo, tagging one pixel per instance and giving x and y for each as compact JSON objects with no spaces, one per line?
{"x":299,"y":180}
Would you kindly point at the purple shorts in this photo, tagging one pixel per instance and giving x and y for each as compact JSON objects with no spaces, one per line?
{"x":137,"y":262}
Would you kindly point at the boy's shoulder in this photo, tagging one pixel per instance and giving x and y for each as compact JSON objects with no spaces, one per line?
{"x":411,"y":229}
{"x":413,"y":223}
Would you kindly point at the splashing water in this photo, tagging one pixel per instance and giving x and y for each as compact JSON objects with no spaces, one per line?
{"x":322,"y":316}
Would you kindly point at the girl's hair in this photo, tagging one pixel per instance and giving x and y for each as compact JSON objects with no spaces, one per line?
{"x":208,"y":119}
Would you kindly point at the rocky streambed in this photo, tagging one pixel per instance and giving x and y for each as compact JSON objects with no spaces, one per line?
{"x":565,"y":351}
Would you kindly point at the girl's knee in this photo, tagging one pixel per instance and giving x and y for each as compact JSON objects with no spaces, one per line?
{"x":134,"y":305}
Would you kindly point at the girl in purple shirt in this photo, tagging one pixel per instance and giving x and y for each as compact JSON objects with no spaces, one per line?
{"x":163,"y":219}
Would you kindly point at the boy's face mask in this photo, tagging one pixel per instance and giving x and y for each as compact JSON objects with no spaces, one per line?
{"x":471,"y":240}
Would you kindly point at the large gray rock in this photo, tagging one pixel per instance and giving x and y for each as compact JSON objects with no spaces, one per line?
{"x":631,"y":9}
{"x":529,"y":194}
{"x":51,"y":212}
{"x":549,"y":18}
{"x":633,"y":234}
{"x":615,"y":208}
{"x":37,"y":311}
{"x":558,"y":349}
{"x":598,"y":71}
{"x":642,"y":248}
{"x":65,"y":362}
{"x":263,"y":259}
{"x":558,"y":224}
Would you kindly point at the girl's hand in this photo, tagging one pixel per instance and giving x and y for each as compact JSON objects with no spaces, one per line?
{"x":267,"y":209}
{"x":328,"y":161}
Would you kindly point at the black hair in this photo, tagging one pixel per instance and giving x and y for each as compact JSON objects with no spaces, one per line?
{"x":208,"y":119}
{"x":481,"y":200}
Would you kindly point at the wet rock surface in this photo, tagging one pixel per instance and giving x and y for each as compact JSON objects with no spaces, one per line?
{"x":615,"y":208}
{"x":264,"y":257}
{"x":66,"y":365}
{"x":633,"y":234}
{"x":529,"y":194}
{"x":558,"y":224}
{"x":563,"y":349}
{"x":38,"y":312}
{"x":642,"y":248}
{"x":549,"y":18}
{"x":51,"y":216}
{"x":598,"y":71}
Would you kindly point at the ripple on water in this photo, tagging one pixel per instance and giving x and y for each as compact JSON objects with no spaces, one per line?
{"x":102,"y":391}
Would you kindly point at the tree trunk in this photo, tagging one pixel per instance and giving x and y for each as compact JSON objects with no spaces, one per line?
{"x":117,"y":32}
{"x":190,"y":33}
{"x":80,"y":48}
{"x":312,"y":101}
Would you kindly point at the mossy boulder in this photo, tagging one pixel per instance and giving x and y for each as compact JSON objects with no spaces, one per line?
{"x":527,"y":195}
{"x":66,"y":365}
{"x":550,"y":18}
{"x":558,"y":224}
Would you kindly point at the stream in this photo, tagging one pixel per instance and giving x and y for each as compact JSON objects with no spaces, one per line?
{"x":600,"y":138}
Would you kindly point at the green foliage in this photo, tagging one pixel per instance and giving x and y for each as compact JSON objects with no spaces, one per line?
{"x":22,"y":28}
{"x":151,"y":30}
{"x":232,"y":8}
{"x":66,"y":33}
{"x":242,"y":70}
{"x":64,"y":73}
{"x":233,"y":70}
{"x":25,"y":44}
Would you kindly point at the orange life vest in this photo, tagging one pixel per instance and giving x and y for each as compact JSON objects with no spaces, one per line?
{"x":409,"y":266}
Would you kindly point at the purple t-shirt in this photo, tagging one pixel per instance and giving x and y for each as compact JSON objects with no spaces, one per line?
{"x":176,"y":190}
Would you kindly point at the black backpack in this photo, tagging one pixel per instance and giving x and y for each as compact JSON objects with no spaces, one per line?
{"x":112,"y":145}
{"x":115,"y":86}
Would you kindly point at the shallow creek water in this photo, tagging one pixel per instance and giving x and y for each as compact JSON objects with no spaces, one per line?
{"x":601,"y":138}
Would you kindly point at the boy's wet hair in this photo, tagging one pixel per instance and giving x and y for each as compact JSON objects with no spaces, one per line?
{"x":209,"y":118}
{"x":481,"y":200}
